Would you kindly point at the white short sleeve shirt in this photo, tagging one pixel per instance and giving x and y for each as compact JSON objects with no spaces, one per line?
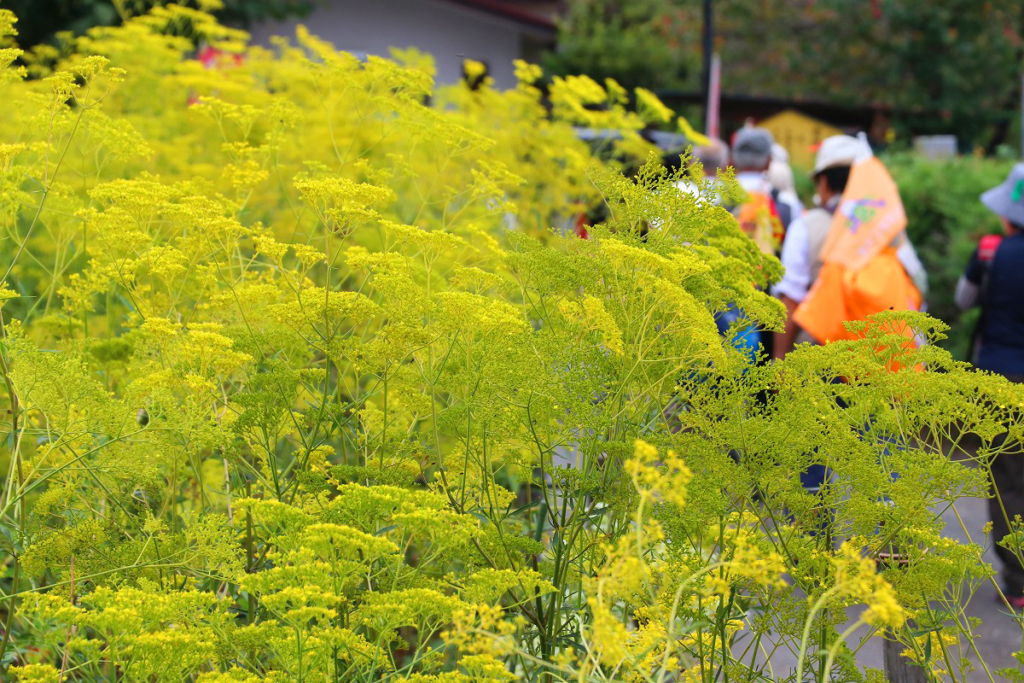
{"x":796,"y":279}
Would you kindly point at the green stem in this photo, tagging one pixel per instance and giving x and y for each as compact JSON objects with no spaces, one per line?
{"x":832,"y":651}
{"x":819,"y":603}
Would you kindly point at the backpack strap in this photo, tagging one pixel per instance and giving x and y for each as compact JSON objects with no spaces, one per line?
{"x":784,"y":210}
{"x":987,"y":247}
{"x":819,"y":224}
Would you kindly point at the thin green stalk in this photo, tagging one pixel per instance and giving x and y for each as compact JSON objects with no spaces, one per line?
{"x":818,"y":604}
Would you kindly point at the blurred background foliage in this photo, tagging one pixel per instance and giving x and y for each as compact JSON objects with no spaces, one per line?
{"x":878,"y":52}
{"x":635,"y":42}
{"x":948,"y":66}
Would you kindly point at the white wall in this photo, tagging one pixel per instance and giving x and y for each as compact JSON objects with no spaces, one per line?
{"x":450,"y":32}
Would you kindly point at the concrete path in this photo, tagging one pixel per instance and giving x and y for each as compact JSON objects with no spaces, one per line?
{"x":999,"y":635}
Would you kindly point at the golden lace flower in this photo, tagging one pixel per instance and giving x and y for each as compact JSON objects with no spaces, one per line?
{"x":665,"y":477}
{"x":857,"y":579}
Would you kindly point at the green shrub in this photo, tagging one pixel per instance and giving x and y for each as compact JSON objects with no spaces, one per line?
{"x":285,"y":399}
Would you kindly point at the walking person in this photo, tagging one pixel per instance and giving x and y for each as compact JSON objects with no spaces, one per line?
{"x":821,"y":282}
{"x":763,"y":214}
{"x":992,"y":280}
{"x":803,"y":250}
{"x":766,"y":214}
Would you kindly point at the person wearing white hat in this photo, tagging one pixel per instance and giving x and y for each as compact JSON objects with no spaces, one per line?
{"x":801,"y":250}
{"x":993,"y":280}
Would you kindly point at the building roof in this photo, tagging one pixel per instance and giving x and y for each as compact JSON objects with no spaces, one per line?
{"x":537,"y":14}
{"x":759,"y":106}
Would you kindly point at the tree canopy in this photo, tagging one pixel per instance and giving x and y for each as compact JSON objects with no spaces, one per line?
{"x":947,"y":66}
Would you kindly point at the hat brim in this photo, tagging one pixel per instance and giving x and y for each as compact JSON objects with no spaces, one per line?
{"x":999,"y":200}
{"x":818,"y":171}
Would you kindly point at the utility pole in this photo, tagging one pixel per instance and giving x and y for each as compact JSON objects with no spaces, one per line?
{"x":709,"y":47}
{"x":899,"y":669}
{"x":714,"y":112}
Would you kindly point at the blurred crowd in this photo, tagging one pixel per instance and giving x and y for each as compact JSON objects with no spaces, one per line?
{"x":847,"y":256}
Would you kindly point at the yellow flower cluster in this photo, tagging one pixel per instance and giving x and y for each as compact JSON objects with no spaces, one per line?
{"x":931,"y":650}
{"x":665,"y":477}
{"x":857,"y":579}
{"x":307,"y":376}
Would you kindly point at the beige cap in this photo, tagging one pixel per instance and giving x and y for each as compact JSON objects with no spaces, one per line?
{"x":751,"y":148}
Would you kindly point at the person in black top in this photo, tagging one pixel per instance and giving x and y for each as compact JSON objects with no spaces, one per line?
{"x":994,"y":280}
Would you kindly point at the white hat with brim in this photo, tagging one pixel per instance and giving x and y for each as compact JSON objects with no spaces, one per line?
{"x":840,"y":150}
{"x":1007,"y":198}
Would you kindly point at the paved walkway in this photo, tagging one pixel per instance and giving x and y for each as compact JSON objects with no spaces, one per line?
{"x":999,"y":635}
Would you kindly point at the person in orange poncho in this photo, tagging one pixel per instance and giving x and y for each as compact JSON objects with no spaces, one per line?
{"x":847,"y":258}
{"x":854,"y":236}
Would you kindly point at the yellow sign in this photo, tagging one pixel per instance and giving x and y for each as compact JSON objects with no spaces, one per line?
{"x":799,"y":134}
